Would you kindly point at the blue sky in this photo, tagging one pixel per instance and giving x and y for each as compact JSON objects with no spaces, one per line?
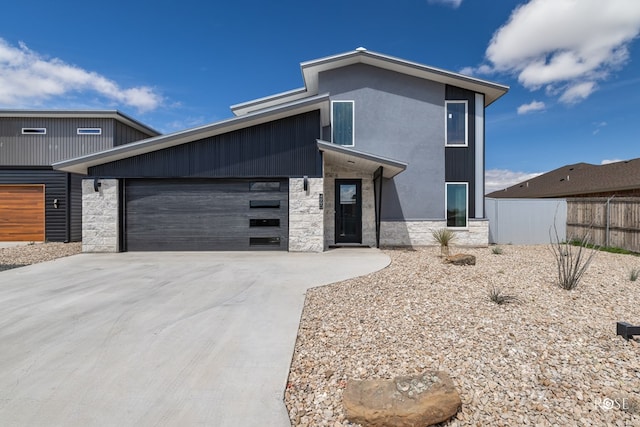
{"x":573,"y":65}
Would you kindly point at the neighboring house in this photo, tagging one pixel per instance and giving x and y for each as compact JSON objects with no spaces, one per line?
{"x":36,"y":202}
{"x":373,"y":150}
{"x":621,"y":179}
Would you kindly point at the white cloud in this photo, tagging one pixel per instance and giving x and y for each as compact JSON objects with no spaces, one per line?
{"x":453,"y":3}
{"x":28,"y":78}
{"x":565,"y":46}
{"x":530,"y":107}
{"x":606,"y":161}
{"x":599,"y":125}
{"x":499,"y":179}
{"x":577,"y":92}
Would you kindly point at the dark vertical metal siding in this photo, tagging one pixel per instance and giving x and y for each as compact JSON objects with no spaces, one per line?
{"x":125,"y":134}
{"x":285,"y":147}
{"x":55,"y":183}
{"x":75,"y":204}
{"x":460,"y":163}
{"x":60,"y":142}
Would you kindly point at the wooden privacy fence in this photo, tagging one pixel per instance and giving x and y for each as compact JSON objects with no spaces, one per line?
{"x":611,"y":221}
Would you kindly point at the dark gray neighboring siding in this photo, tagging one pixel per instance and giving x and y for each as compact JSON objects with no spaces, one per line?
{"x":285,"y":147}
{"x":75,"y":203}
{"x":60,"y":142}
{"x":460,"y":164}
{"x":125,"y":134}
{"x":55,"y":188}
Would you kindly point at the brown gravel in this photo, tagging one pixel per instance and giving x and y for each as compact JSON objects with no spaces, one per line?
{"x":552,"y":358}
{"x":19,"y":256}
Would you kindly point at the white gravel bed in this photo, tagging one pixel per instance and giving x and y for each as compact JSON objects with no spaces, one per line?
{"x":19,"y":256}
{"x":551,"y":359}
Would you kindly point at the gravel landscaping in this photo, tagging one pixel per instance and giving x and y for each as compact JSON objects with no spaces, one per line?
{"x":551,"y":357}
{"x":32,"y":253}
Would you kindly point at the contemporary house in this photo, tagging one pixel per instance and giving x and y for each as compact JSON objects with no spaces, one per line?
{"x":373,"y":150}
{"x":620,"y":179}
{"x":38,"y":203}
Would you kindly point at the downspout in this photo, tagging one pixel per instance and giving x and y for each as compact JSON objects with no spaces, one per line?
{"x":377,"y":200}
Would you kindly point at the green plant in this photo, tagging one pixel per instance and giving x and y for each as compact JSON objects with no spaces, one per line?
{"x":444,"y":237}
{"x":633,"y":275}
{"x":572,"y":260}
{"x":496,"y":295}
{"x":497,"y":250}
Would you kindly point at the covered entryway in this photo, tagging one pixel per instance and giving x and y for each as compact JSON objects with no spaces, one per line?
{"x":22,"y":215}
{"x":205,"y":214}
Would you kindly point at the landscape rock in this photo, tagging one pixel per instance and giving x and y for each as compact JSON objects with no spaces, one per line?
{"x":461,"y":259}
{"x":409,"y":401}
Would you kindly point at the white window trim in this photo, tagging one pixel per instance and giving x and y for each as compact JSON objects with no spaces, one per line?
{"x":353,"y":121}
{"x":79,"y":131}
{"x":466,"y":123}
{"x":466,"y":209}
{"x":38,"y":131}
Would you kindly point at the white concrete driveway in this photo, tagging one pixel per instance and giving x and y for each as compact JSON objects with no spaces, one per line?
{"x":142,"y":339}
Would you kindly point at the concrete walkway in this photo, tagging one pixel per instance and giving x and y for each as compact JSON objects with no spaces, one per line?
{"x":148,"y":339}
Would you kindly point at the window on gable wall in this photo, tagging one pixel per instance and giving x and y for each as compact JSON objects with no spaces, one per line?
{"x":342,"y":122}
{"x":457,"y":204}
{"x":456,"y":123}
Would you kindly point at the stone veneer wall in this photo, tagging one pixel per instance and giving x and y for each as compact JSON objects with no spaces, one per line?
{"x":306,"y":230}
{"x":331,"y":173}
{"x":100,"y":222}
{"x":418,"y":233}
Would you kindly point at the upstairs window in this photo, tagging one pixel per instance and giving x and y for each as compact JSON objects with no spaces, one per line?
{"x":457,"y":204}
{"x":342,"y":122}
{"x":34,"y":131}
{"x":456,"y":123}
{"x":89,"y":131}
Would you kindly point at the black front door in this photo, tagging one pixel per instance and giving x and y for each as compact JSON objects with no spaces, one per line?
{"x":348,"y":211}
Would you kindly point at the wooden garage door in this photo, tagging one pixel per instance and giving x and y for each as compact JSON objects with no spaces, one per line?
{"x":21,"y":213}
{"x":209,"y":215}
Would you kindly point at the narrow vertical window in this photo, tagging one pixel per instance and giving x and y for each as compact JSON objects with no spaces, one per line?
{"x":342,"y":122}
{"x":456,"y":123}
{"x":457,"y":204}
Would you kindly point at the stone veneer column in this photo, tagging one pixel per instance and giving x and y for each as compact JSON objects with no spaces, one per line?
{"x":100,"y":222}
{"x":306,"y":225}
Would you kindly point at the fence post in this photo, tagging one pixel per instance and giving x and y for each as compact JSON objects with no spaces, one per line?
{"x":606,"y":237}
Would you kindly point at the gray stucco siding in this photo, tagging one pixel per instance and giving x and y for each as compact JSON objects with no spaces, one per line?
{"x":399,"y":117}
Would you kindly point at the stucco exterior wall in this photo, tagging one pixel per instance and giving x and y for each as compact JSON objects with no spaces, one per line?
{"x":331,"y":173}
{"x":100,"y":219}
{"x":402,"y":118}
{"x":306,"y":229}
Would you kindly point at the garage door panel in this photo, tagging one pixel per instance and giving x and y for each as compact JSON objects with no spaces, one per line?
{"x":193,"y":214}
{"x":22,"y":213}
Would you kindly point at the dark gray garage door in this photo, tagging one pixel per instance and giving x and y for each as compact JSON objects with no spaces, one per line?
{"x":206,"y":215}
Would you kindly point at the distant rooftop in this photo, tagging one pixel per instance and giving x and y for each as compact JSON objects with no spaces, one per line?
{"x":100,"y":114}
{"x":576,"y":180}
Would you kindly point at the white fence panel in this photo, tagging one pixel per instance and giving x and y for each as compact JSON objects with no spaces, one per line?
{"x":525,"y":221}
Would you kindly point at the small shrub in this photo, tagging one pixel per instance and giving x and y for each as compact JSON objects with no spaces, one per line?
{"x":497,"y":250}
{"x":571,"y":258}
{"x":443,"y":236}
{"x":496,"y":295}
{"x":633,"y":275}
